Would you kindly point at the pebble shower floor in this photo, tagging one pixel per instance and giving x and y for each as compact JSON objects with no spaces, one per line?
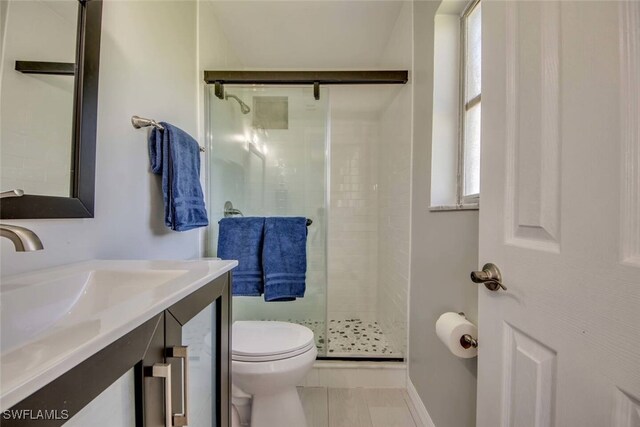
{"x":351,"y":337}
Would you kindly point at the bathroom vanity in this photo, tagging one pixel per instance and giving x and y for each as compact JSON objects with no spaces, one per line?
{"x":70,"y":332}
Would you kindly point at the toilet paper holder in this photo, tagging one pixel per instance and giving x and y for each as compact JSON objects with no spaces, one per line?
{"x":467,"y":340}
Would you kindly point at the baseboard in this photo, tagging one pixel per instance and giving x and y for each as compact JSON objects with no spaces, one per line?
{"x":346,"y":374}
{"x":423,"y":416}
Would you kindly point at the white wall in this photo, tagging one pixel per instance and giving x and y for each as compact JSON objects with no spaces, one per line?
{"x":214,"y":53}
{"x":444,"y":249}
{"x":3,"y":15}
{"x":148,"y":67}
{"x":309,"y":34}
{"x":446,"y":94}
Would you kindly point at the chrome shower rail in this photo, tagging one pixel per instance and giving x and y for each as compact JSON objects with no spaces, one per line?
{"x":140,"y":122}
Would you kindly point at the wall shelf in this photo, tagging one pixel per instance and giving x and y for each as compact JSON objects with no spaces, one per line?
{"x":44,"y":67}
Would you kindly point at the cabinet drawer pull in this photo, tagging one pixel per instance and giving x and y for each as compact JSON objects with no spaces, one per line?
{"x":182,"y":352}
{"x":163,"y":370}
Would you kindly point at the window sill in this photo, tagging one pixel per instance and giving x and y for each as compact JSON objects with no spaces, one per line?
{"x":462,"y":207}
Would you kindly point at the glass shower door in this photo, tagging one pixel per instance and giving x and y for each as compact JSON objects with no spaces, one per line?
{"x":268,"y":157}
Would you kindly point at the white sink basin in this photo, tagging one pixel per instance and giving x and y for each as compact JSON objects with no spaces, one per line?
{"x":53,"y":319}
{"x":32,"y":309}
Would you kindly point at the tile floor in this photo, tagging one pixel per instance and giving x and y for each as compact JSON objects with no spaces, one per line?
{"x":357,"y":407}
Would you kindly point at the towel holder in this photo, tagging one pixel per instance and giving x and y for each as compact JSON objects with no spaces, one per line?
{"x":140,"y":122}
{"x":230,"y":211}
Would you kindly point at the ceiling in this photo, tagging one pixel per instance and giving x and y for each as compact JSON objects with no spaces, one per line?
{"x":311,"y":34}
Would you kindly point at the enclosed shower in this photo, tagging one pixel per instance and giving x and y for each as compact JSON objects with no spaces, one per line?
{"x":338,"y":155}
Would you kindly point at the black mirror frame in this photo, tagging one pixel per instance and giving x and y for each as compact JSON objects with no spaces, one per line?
{"x":81,"y":202}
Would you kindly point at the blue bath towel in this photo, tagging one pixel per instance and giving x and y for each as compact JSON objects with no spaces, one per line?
{"x":242,"y":239}
{"x":175,"y":155}
{"x":284,"y":258}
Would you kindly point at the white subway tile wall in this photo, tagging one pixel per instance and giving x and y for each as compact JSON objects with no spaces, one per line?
{"x":353,"y":218}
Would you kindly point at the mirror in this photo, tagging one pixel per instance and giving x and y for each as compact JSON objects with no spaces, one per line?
{"x":37,"y":109}
{"x":48,"y":102}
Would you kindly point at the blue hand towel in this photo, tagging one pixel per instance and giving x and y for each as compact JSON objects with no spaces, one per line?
{"x":175,"y":155}
{"x":241,"y":239}
{"x":284,"y":258}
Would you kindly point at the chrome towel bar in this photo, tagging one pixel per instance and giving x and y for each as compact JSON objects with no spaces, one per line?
{"x":230,"y":211}
{"x":140,"y":122}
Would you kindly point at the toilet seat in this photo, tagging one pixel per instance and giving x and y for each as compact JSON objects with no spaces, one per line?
{"x":272,"y":357}
{"x":264,"y":341}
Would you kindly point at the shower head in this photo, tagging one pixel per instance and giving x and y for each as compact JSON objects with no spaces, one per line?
{"x":244,"y":108}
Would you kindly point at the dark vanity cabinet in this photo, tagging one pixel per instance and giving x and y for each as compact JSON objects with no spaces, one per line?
{"x":186,"y":381}
{"x":180,"y":364}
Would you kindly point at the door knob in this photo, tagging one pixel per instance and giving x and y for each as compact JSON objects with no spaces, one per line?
{"x":490,"y":276}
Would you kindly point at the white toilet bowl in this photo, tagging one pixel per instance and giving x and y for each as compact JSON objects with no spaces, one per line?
{"x":268,"y":360}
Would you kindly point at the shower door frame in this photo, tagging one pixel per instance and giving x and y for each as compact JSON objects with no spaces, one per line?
{"x":218,"y":78}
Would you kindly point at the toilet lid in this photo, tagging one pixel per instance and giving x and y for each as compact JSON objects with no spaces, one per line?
{"x":268,"y":340}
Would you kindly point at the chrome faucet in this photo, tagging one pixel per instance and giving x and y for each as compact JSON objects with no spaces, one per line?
{"x":12,"y":193}
{"x":23,"y":239}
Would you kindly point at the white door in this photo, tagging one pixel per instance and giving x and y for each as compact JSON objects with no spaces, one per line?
{"x":560,"y":214}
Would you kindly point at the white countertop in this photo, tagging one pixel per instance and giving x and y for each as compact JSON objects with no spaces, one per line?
{"x":53,"y":319}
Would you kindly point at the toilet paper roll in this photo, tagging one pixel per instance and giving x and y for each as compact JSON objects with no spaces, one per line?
{"x":450,"y":328}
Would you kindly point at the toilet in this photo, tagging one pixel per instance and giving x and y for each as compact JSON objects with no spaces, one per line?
{"x":268,"y":360}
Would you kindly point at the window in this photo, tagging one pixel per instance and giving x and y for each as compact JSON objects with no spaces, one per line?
{"x":455,"y":155}
{"x":469,"y":148}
